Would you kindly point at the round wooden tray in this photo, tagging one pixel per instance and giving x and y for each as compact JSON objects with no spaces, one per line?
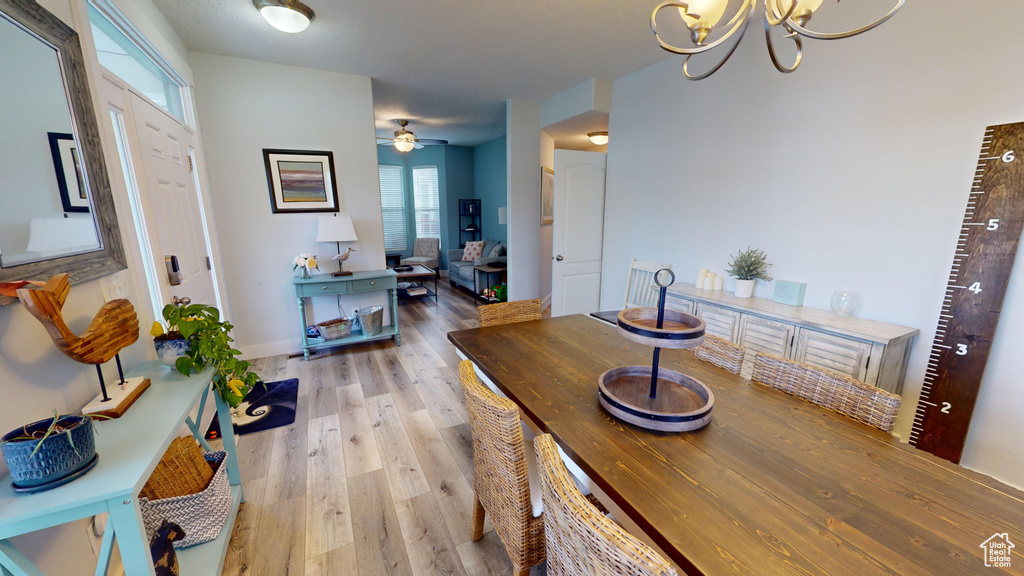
{"x":679,"y":330}
{"x":683,"y":403}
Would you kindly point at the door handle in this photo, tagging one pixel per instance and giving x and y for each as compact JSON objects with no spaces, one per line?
{"x":173,"y":271}
{"x":183,"y":301}
{"x":559,"y":258}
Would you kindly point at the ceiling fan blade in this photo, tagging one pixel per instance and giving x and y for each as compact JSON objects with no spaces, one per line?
{"x":431,"y":141}
{"x":381,"y":140}
{"x":417,"y":145}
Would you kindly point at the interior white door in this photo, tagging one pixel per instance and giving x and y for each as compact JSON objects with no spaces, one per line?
{"x":577,"y":232}
{"x":170,"y":204}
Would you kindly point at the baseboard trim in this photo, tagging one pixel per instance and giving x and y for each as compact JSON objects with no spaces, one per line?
{"x":546,"y":302}
{"x":286,"y":347}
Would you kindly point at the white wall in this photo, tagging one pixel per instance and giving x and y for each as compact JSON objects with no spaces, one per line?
{"x":245,"y":106}
{"x":523,"y":149}
{"x":547,"y":160}
{"x":851,"y":173}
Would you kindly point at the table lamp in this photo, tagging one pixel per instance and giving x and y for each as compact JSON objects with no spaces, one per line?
{"x":338,"y":229}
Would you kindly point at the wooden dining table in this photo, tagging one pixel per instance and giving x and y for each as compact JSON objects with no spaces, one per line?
{"x":772,"y":485}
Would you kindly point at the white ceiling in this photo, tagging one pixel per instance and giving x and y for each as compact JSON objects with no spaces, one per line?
{"x":447,"y":65}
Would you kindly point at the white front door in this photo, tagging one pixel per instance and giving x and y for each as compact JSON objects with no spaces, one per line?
{"x":577,"y":232}
{"x":170,"y":205}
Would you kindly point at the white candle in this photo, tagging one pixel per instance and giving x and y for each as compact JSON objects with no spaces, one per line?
{"x":709,"y":282}
{"x":700,"y":277}
{"x":719,"y":282}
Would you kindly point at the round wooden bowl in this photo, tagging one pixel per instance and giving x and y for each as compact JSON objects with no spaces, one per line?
{"x":679,"y":330}
{"x":683,"y":403}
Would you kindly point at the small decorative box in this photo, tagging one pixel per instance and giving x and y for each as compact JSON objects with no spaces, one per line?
{"x":792,"y":293}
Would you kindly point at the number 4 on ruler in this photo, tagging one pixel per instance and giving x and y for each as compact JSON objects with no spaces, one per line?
{"x":984,"y":256}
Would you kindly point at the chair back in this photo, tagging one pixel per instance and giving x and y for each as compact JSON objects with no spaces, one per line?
{"x":721,"y":353}
{"x":852,"y":398}
{"x":640,"y":285}
{"x":509,"y":312}
{"x":500,"y":470}
{"x":427,"y":247}
{"x":580,"y":540}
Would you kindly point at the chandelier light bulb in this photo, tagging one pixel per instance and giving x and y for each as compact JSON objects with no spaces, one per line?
{"x":702,"y":16}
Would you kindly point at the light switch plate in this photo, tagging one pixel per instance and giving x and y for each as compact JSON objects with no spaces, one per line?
{"x":115,"y":286}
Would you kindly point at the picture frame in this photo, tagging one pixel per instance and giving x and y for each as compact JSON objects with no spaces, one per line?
{"x":301,"y":180}
{"x":547,"y":195}
{"x":67,"y":167}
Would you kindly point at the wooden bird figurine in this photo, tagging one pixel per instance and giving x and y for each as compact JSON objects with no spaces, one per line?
{"x":341,"y":259}
{"x":115,"y":326}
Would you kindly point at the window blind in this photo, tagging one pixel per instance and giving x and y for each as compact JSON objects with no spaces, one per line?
{"x":426,"y":195}
{"x":392,"y":207}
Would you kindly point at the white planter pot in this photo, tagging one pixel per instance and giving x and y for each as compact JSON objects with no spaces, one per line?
{"x":745,"y":288}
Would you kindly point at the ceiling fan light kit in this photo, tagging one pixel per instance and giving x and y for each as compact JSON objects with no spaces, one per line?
{"x":289,"y":16}
{"x":404,"y":140}
{"x":598,"y":138}
{"x":792,"y":16}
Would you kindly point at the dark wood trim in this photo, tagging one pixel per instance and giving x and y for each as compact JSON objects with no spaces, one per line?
{"x":270,"y":179}
{"x":110,"y":258}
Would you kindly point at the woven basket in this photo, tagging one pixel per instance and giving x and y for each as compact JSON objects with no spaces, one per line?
{"x":180,"y":472}
{"x":372,"y":320}
{"x":201,"y":515}
{"x":337,"y":328}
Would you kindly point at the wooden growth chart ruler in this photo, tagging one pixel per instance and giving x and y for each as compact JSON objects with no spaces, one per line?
{"x":977,"y":284}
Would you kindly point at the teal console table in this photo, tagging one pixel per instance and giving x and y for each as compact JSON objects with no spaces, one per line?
{"x":357,"y":282}
{"x":129,"y":449}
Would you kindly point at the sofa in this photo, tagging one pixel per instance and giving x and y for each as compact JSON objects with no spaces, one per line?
{"x":461,"y":273}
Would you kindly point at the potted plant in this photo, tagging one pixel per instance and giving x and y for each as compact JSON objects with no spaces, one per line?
{"x":168,"y":341}
{"x":305,"y":262}
{"x":209,"y":344}
{"x":748,"y":266}
{"x":42,"y":454}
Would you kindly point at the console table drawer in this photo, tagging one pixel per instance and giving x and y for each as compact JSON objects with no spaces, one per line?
{"x":373,"y":284}
{"x":321,"y":289}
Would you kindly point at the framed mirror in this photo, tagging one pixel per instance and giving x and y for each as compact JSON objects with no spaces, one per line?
{"x":58,"y":212}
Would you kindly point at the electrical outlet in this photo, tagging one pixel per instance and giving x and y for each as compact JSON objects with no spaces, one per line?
{"x":115,"y":286}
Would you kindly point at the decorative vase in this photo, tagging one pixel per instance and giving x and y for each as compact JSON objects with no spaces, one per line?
{"x":305,"y":272}
{"x":846,"y":303}
{"x":168,"y":351}
{"x":60,"y":455}
{"x":745,"y":288}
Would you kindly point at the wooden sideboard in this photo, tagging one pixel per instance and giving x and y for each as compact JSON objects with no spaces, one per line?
{"x":355,"y":283}
{"x":870,"y":351}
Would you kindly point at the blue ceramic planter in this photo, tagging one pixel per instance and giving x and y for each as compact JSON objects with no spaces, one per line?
{"x":168,"y":351}
{"x":57,"y":458}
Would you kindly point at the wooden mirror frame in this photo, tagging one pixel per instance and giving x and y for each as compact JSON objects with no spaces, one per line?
{"x":110,"y":258}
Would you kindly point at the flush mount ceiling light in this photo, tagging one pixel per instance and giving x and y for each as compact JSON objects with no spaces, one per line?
{"x":701,"y":17}
{"x":599,"y":138}
{"x":286,"y":15}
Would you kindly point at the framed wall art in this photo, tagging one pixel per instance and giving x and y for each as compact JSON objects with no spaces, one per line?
{"x":547,"y":196}
{"x":68,"y":168}
{"x":301,"y":180}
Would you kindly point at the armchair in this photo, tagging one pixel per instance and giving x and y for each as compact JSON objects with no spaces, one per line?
{"x":425,"y":252}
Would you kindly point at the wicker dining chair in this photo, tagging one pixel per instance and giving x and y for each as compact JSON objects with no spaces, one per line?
{"x":509,"y":312}
{"x":640,"y":284}
{"x":852,"y":398}
{"x":721,"y":353}
{"x":581,"y":541}
{"x":501,"y":476}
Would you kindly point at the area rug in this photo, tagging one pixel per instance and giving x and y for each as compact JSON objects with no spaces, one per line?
{"x":262,"y":409}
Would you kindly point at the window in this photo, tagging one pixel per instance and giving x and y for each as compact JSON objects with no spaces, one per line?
{"x":392,"y":207}
{"x":122,"y":56}
{"x":428,"y":202}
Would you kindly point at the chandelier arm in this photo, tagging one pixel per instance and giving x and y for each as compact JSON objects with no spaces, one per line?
{"x":771,"y":49}
{"x":776,"y":10}
{"x":686,"y":62}
{"x":840,"y":35}
{"x":736,"y":22}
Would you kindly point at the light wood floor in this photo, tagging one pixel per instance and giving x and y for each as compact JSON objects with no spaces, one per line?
{"x":375,"y":477}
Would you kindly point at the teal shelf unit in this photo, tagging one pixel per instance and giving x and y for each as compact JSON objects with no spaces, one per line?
{"x":129,"y":448}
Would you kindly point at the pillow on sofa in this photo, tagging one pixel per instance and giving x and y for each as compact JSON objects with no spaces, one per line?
{"x":498,"y":251}
{"x":472,"y":251}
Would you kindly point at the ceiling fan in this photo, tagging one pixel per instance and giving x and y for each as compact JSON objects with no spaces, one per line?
{"x":405,"y":140}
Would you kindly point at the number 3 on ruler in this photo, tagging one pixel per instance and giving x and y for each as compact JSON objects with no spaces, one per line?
{"x":961,"y":349}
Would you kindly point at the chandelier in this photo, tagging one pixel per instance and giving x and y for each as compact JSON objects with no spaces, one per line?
{"x":701,"y":16}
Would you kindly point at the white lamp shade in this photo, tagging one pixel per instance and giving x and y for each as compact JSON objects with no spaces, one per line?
{"x":335,"y":229}
{"x":710,"y":12}
{"x":285,"y":19}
